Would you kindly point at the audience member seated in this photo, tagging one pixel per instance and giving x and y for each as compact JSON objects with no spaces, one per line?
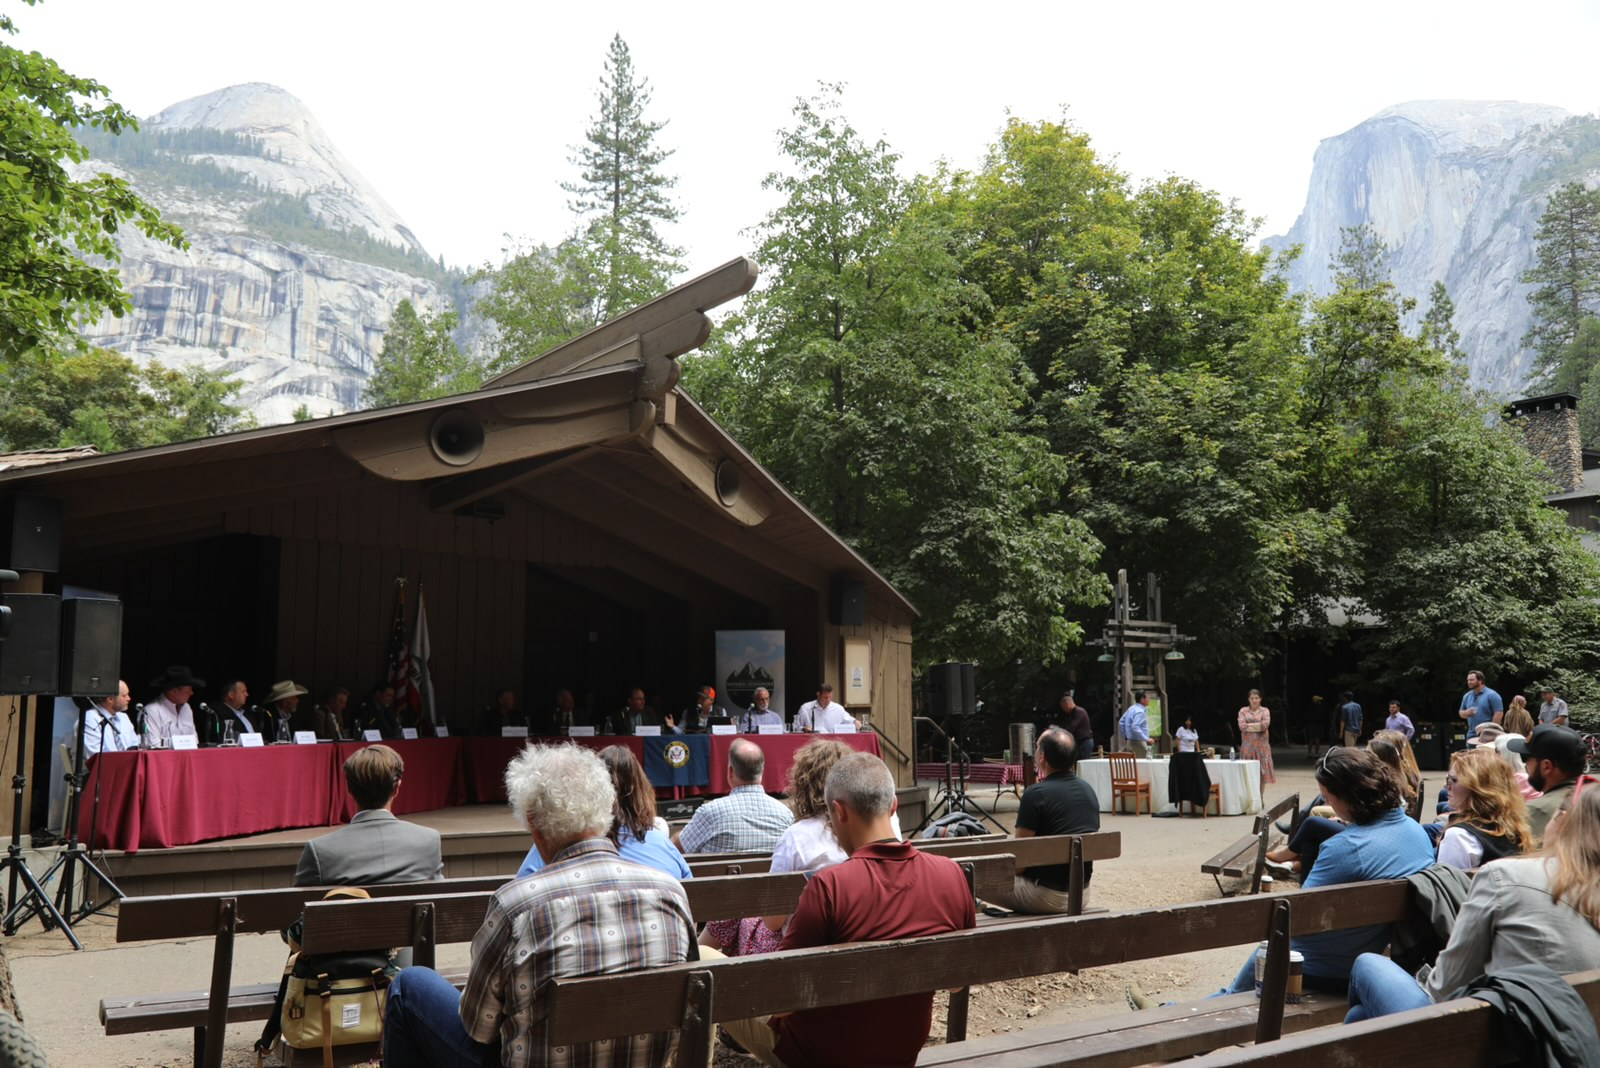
{"x":886,"y":890}
{"x":1519,"y":771}
{"x":583,"y":914}
{"x":106,"y":726}
{"x":822,"y":716}
{"x":1379,"y":842}
{"x":747,"y":820}
{"x":376,"y":846}
{"x":1542,"y":909}
{"x":1555,"y":758}
{"x":245,"y":720}
{"x":760,"y":713}
{"x":1488,"y":819}
{"x":808,"y":844}
{"x":169,"y":713}
{"x":1299,"y":854}
{"x":1059,"y":803}
{"x":640,"y":835}
{"x":377,"y":713}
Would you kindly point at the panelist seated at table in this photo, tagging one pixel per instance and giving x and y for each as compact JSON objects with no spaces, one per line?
{"x":696,"y":719}
{"x":302,"y":715}
{"x":565,"y":716}
{"x":760,"y":714}
{"x":376,"y":846}
{"x":336,"y":706}
{"x":246,"y":718}
{"x":106,"y":726}
{"x":500,"y":713}
{"x":638,"y":714}
{"x":169,"y":712}
{"x":824,"y":715}
{"x":377,"y":713}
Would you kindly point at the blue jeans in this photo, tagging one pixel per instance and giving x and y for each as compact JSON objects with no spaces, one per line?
{"x":422,"y":1026}
{"x":1245,"y":981}
{"x":1380,"y":987}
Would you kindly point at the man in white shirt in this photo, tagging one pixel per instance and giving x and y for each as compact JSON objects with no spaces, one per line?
{"x":169,"y":714}
{"x":106,"y":726}
{"x":822,"y":716}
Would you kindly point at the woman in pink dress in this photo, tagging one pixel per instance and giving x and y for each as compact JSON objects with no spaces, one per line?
{"x":1255,"y":722}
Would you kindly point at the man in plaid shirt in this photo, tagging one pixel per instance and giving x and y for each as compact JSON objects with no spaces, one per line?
{"x":747,"y":820}
{"x":588,"y":912}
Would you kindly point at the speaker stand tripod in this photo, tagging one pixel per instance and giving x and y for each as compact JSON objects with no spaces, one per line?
{"x":952,"y":795}
{"x":35,"y":902}
{"x":77,"y":855}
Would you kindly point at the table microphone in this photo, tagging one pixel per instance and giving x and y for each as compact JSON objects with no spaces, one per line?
{"x":138,"y":720}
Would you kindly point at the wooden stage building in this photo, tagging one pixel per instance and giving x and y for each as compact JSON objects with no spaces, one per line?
{"x":579,"y":522}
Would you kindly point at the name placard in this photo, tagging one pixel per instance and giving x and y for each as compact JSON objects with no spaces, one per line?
{"x":185,"y":741}
{"x":642,"y":731}
{"x":770,"y":728}
{"x":409,"y":733}
{"x":441,"y":732}
{"x":513,"y":732}
{"x":581,"y":732}
{"x":252,"y":740}
{"x":724,"y":728}
{"x":842,"y":728}
{"x":372,"y":736}
{"x":305,"y":737}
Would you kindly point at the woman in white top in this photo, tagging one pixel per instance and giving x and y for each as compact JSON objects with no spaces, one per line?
{"x":1543,"y":909}
{"x":1188,"y":737}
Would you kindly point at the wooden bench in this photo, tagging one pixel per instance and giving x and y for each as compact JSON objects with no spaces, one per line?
{"x":1465,"y":1033}
{"x":460,"y":902}
{"x":1037,"y":850}
{"x":1247,"y":858}
{"x":694,"y":997}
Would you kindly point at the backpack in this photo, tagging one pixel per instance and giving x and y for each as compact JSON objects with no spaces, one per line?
{"x":328,"y":1000}
{"x":955,"y":825}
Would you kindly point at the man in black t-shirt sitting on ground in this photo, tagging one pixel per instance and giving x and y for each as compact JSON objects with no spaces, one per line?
{"x":1059,"y":803}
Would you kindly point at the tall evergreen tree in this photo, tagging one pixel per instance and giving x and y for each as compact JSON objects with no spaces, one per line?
{"x":1566,"y":271}
{"x":622,"y":194}
{"x":1439,"y":325}
{"x":419,"y":361}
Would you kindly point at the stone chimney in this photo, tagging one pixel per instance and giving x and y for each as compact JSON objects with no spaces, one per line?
{"x":1550,"y":431}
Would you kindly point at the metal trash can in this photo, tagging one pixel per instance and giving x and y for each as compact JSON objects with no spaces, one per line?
{"x":1429,"y":746}
{"x":1021,"y":736}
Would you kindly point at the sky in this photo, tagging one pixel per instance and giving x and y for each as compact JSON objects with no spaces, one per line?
{"x":463,"y":114}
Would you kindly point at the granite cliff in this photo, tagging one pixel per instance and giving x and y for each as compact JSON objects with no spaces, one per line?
{"x":295,"y":262}
{"x":1455,"y":189}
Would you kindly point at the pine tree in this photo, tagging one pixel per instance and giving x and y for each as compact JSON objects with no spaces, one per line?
{"x":1567,"y":272}
{"x":419,"y":361}
{"x":1439,"y":331}
{"x":623,"y":194}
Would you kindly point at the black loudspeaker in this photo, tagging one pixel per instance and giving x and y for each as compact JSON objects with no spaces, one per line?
{"x":30,"y":657}
{"x":952,"y":690}
{"x":847,"y":603}
{"x":31,"y":531}
{"x":91,"y":646}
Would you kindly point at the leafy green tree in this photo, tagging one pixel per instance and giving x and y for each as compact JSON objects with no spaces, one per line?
{"x":53,"y":225}
{"x":538,"y":298}
{"x":1439,"y":325}
{"x":856,"y":376}
{"x":101,"y":398}
{"x":1566,"y":272}
{"x":302,"y":414}
{"x":420,"y":360}
{"x":622,"y":194}
{"x":1363,"y":256}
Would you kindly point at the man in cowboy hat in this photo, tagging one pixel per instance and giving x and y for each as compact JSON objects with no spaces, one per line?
{"x":284,"y":701}
{"x":169,"y":714}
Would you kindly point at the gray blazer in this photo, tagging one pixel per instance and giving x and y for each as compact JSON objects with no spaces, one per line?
{"x":376,"y":847}
{"x":1509,"y":919}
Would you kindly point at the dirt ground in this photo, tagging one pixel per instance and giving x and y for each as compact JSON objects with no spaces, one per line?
{"x":59,"y":990}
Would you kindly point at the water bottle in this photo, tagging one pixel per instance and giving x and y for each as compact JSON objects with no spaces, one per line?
{"x":283,"y":730}
{"x":227,"y":733}
{"x":607,"y":728}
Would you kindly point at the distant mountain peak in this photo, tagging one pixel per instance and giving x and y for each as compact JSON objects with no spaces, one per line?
{"x":1474,"y":123}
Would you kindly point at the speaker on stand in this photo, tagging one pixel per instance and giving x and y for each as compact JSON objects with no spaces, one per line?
{"x":952,"y":696}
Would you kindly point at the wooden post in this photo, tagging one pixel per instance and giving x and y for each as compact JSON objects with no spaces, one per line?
{"x":215,"y":1031}
{"x":699,"y":1032}
{"x":423,"y":940}
{"x":1275,"y":979}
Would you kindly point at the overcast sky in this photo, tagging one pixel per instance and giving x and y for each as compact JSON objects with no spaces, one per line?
{"x":461,"y":114}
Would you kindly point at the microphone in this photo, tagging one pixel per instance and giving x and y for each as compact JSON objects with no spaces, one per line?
{"x":138,"y":719}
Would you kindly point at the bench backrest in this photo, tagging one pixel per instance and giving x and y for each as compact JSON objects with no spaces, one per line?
{"x":1452,"y":1034}
{"x":1039,"y":850}
{"x":579,"y":1010}
{"x":440,"y":919}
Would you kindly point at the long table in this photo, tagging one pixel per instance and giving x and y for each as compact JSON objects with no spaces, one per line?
{"x":1240,"y":782}
{"x":153,"y":799}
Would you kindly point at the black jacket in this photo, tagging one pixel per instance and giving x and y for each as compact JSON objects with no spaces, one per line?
{"x":1541,"y":1014}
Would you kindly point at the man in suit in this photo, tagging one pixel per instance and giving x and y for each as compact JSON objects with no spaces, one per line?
{"x":637,"y":714}
{"x":376,"y":846}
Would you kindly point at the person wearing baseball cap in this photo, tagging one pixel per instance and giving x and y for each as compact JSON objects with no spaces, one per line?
{"x":1555,"y":758}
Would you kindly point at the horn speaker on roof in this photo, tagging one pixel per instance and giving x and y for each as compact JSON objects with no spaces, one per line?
{"x":456,"y":437}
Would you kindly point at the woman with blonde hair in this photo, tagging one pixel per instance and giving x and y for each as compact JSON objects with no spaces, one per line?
{"x":1488,"y":818}
{"x":1517,"y":719}
{"x":1392,"y":748}
{"x":1543,"y":909}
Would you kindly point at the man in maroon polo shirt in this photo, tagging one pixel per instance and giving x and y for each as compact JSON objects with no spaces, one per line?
{"x":887,"y":889}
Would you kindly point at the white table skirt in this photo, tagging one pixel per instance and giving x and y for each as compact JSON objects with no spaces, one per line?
{"x":1240,"y":781}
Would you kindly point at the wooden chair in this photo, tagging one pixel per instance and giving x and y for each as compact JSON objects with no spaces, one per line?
{"x":1125,"y":781}
{"x":1216,"y":795}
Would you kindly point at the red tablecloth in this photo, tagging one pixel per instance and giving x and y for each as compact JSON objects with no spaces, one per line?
{"x":153,"y":800}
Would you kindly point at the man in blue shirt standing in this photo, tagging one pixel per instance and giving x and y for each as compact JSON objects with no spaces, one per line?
{"x":1350,"y":718}
{"x":1135,"y":726}
{"x":1479,"y":705}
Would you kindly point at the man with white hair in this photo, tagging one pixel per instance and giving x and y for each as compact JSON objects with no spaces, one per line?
{"x":585,"y":913}
{"x":887,"y":890}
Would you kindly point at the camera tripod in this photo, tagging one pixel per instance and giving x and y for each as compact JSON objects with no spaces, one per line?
{"x":76,"y":854}
{"x":35,"y":902}
{"x":952,"y":795}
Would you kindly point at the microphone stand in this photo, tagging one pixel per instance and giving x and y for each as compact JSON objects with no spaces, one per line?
{"x":35,"y":902}
{"x":952,"y":795}
{"x":75,"y":854}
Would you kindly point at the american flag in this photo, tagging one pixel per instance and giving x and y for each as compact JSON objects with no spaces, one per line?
{"x":420,"y":680}
{"x":399,"y":656}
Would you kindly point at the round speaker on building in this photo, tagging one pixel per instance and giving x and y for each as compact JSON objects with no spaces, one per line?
{"x":456,"y":437}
